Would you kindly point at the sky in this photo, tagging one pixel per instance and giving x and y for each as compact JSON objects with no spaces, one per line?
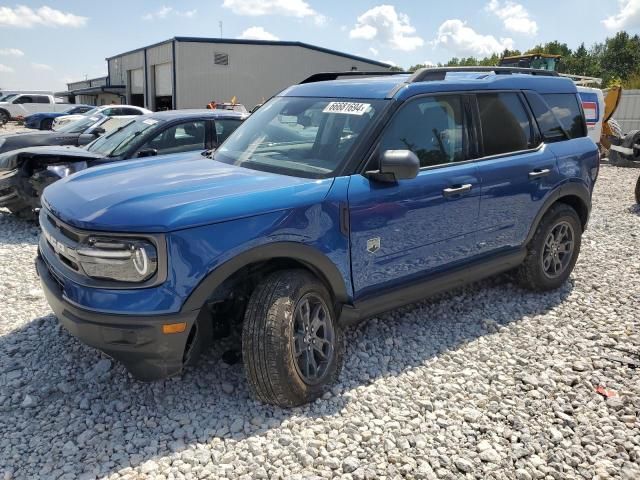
{"x":45,"y":45}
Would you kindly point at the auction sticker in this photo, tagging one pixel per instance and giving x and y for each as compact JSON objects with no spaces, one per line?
{"x":349,"y":108}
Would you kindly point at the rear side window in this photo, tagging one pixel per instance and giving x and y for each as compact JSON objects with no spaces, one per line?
{"x":41,"y":99}
{"x":557,"y":113}
{"x":505,"y":123}
{"x":567,"y":110}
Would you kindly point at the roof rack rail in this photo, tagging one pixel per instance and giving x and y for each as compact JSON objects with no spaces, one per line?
{"x":326,"y":76}
{"x":439,"y":73}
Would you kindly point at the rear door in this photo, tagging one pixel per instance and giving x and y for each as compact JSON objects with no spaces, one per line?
{"x":404,"y":230}
{"x":517,"y":170}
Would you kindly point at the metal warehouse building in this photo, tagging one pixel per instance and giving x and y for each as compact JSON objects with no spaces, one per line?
{"x":186,"y":72}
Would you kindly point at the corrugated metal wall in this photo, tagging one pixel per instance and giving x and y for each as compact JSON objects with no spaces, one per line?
{"x":628,"y":112}
{"x":254,"y":73}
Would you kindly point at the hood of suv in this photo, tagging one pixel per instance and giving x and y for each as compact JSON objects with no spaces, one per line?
{"x":168,"y":193}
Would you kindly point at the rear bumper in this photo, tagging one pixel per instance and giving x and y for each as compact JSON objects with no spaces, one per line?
{"x":135,"y":341}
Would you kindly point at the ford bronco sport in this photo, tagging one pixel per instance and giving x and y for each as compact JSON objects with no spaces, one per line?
{"x":338,"y":199}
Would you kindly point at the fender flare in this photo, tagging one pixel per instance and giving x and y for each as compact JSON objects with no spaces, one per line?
{"x":576,"y":189}
{"x":309,"y":256}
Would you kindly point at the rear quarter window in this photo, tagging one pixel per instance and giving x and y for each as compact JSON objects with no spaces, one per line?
{"x":558,"y":115}
{"x":566,"y":108}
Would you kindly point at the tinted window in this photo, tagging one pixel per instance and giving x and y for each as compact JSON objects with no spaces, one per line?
{"x":129,"y":111}
{"x":23,"y":99}
{"x":567,"y":110}
{"x":505,"y":123}
{"x":432,"y":128}
{"x":547,"y":122}
{"x":41,"y":99}
{"x":184,"y":137}
{"x":224,"y":128}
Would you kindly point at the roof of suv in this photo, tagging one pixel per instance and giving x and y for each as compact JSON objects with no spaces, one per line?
{"x":397,"y":86}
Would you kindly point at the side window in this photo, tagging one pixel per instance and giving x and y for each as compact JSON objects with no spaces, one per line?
{"x":548,"y":123}
{"x":184,"y":137}
{"x":432,"y":127}
{"x":23,"y":99}
{"x":225,"y":127}
{"x":567,"y":110}
{"x":129,"y":111}
{"x":505,"y":123}
{"x":41,"y":99}
{"x":109,"y":112}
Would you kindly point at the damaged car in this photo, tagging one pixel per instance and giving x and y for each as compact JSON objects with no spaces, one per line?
{"x":78,"y":134}
{"x":25,"y":172}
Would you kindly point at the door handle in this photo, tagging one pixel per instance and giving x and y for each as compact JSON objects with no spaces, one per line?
{"x":456,"y":190}
{"x":537,"y":173}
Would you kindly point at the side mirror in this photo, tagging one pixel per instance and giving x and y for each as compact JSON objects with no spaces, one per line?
{"x":147,"y":152}
{"x":396,"y":165}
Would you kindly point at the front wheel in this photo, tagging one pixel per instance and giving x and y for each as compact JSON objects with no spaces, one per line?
{"x":553,"y":250}
{"x":46,"y":124}
{"x":292,"y":344}
{"x":4,"y":117}
{"x":638,"y":191}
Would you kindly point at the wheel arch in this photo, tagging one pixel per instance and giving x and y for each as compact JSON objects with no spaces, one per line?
{"x":574,"y":194}
{"x":271,"y":256}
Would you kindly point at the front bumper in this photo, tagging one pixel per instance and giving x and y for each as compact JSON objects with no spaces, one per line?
{"x":136,"y":341}
{"x":8,"y":184}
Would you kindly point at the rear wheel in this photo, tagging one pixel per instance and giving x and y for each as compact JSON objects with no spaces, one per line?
{"x":553,"y":250}
{"x":292,"y":344}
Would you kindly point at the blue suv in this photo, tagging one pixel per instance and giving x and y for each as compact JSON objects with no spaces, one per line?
{"x":340,"y":198}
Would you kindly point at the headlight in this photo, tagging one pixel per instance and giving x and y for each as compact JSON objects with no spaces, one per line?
{"x":124,"y":260}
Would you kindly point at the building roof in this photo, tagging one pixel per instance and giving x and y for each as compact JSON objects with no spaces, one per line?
{"x":235,"y":41}
{"x":399,"y":86}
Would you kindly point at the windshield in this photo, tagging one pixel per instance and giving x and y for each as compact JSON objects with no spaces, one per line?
{"x":119,"y":140}
{"x":306,"y":137}
{"x":6,"y":98}
{"x":81,"y":125}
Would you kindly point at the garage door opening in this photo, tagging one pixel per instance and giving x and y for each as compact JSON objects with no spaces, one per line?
{"x":136,"y":80}
{"x":163,"y":81}
{"x":137,"y":99}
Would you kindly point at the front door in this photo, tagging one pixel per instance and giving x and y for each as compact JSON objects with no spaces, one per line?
{"x":404,"y":230}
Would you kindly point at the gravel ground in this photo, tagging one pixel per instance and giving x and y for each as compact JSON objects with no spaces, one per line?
{"x":488,"y":381}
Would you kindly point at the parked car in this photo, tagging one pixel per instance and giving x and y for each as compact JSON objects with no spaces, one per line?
{"x":44,"y":120}
{"x":107,"y":110}
{"x":466,"y":176}
{"x":23,"y":105}
{"x":24,"y":173}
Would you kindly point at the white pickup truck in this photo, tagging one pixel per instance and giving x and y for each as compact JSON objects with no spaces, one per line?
{"x":24,"y":104}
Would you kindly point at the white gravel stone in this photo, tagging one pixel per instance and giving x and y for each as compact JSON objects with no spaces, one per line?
{"x":488,"y":381}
